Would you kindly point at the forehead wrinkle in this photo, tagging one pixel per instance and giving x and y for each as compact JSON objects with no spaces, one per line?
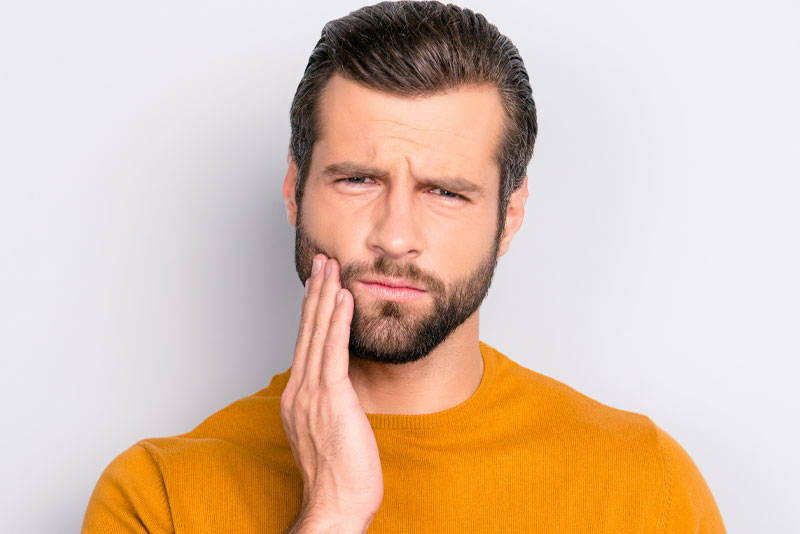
{"x":493,"y":150}
{"x":418,"y":129}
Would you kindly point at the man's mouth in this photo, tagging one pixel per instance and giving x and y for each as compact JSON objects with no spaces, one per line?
{"x":394,"y":289}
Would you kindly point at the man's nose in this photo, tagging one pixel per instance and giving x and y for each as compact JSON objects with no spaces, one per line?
{"x":396,"y":230}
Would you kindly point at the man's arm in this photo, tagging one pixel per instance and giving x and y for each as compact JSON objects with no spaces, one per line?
{"x":130,"y":497}
{"x":690,"y":505}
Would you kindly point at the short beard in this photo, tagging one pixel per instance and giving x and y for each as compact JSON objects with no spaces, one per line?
{"x":395,"y":335}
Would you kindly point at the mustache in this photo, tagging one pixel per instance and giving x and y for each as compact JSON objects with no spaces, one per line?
{"x":384,"y":266}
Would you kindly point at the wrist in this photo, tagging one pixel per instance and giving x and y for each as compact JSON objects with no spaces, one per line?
{"x":317,"y":521}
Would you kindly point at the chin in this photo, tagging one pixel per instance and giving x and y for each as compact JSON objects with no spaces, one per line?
{"x":390,"y":332}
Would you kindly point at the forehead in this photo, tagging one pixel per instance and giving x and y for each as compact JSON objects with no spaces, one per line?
{"x":449,"y":133}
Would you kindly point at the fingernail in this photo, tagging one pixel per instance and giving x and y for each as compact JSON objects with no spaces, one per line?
{"x":328,"y":270}
{"x":308,"y":284}
{"x":339,"y":296}
{"x":316,"y":267}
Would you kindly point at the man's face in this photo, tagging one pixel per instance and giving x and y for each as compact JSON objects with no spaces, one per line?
{"x":404,"y":192}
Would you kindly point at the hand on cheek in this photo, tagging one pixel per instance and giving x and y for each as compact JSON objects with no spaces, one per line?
{"x":329,"y":433}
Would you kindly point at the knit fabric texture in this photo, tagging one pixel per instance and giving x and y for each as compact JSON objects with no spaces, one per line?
{"x":525,"y":453}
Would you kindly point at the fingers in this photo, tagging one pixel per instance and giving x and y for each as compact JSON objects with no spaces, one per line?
{"x":307,"y":319}
{"x":325,"y":306}
{"x":321,"y":319}
{"x":336,"y":356}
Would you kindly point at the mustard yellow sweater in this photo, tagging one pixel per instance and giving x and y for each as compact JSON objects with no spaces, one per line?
{"x":524,"y":453}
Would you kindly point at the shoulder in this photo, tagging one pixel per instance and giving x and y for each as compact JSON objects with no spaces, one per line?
{"x":133,"y":494}
{"x":625,"y":443}
{"x":548,"y":402}
{"x":256,"y":416}
{"x":130,"y":496}
{"x":251,"y":423}
{"x":690,"y":506}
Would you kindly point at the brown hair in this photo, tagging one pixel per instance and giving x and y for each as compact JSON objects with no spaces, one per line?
{"x":412,"y":49}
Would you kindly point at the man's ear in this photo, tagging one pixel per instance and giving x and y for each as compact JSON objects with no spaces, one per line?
{"x":289,"y":184}
{"x":514,"y":215}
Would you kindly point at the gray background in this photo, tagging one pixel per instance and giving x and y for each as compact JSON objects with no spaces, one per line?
{"x":147,"y":277}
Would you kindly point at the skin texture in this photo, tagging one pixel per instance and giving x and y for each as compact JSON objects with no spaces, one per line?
{"x":400,"y":187}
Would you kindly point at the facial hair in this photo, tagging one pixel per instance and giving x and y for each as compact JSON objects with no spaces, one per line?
{"x":394,"y":332}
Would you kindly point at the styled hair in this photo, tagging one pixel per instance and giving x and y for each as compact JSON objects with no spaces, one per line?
{"x":413,"y":49}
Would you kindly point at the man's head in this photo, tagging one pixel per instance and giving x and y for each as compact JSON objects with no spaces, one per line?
{"x":411,"y":131}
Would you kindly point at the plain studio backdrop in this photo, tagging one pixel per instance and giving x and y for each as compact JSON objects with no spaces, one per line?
{"x":147,"y":276}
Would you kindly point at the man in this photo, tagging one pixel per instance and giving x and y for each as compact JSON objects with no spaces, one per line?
{"x":411,"y":132}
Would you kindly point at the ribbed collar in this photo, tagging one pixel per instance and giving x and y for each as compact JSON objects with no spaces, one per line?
{"x":435,"y":419}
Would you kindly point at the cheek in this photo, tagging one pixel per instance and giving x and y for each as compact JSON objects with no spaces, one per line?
{"x":461,"y":246}
{"x":334,"y":225}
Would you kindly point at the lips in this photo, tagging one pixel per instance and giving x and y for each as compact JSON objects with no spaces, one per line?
{"x":399,"y":283}
{"x":394,"y":289}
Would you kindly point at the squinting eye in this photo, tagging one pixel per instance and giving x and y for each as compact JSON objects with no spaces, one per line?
{"x":448,"y":194}
{"x":352,"y":179}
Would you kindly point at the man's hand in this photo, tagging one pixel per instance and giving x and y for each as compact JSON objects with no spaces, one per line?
{"x":331,"y":439}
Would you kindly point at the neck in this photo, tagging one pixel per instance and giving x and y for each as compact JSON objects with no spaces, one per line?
{"x":445,"y":378}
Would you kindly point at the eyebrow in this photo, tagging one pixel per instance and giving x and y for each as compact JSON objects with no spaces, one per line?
{"x":347,"y":168}
{"x":448,"y":183}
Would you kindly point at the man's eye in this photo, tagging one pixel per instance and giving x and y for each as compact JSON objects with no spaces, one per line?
{"x":447,"y":194}
{"x":357,"y":179}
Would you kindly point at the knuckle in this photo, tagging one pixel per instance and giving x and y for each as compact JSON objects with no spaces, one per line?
{"x":305,"y":329}
{"x":302,"y":403}
{"x":331,"y":345}
{"x":329,"y":394}
{"x":286,"y":404}
{"x":318,"y":331}
{"x":329,"y":384}
{"x":287,"y":412}
{"x":302,"y":334}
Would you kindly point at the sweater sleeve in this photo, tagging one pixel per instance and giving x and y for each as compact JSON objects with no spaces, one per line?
{"x":130,"y":497}
{"x":690,"y":506}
